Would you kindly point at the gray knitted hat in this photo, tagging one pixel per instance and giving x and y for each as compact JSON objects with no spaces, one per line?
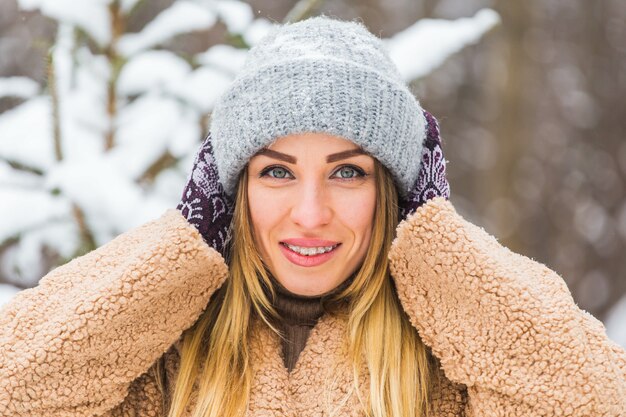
{"x":319,"y":75}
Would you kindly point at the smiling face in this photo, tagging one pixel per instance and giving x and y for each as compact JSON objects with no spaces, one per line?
{"x":312,"y":198}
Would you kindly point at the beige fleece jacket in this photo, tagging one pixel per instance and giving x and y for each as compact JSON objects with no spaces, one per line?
{"x":510,"y":339}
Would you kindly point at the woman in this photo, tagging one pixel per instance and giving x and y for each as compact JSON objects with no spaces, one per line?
{"x":314,"y":267}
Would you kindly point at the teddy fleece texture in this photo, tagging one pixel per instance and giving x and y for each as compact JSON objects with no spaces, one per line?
{"x":509,"y":337}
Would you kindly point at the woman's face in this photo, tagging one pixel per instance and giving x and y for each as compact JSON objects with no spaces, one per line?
{"x":312,"y":199}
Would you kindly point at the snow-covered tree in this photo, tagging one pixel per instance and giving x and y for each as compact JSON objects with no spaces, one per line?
{"x":108,"y":142}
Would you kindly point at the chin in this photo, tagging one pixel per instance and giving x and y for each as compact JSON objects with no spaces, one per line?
{"x":301,"y":287}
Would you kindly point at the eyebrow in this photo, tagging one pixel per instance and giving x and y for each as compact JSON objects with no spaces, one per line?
{"x":333,"y":157}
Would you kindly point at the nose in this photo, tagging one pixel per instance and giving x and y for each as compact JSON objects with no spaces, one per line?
{"x":311,"y":207}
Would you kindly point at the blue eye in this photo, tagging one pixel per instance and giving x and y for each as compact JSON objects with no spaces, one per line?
{"x":275,"y":172}
{"x":349,"y":172}
{"x":346,"y":172}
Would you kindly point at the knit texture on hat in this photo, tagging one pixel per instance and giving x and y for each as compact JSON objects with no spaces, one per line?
{"x":319,"y":75}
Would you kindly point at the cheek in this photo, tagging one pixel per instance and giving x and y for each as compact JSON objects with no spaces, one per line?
{"x":265,"y":213}
{"x":356,"y":211}
{"x":258,"y":211}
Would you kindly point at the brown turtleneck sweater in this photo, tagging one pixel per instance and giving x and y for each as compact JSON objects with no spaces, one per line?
{"x":299,"y":314}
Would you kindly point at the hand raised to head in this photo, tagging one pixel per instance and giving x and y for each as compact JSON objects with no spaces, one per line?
{"x":204,"y":203}
{"x":431,"y":181}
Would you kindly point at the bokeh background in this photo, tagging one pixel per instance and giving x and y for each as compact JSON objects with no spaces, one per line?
{"x":532,"y":114}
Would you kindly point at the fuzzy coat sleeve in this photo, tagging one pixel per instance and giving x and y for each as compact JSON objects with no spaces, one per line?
{"x":502,"y":324}
{"x":73,"y":345}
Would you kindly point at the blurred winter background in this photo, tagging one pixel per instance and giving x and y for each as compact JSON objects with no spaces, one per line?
{"x":104,"y":102}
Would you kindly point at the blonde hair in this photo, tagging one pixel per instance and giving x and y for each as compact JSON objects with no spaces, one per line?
{"x":402,"y":369}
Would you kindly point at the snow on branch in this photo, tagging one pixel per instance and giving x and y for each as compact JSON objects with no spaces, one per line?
{"x":26,"y":134}
{"x":224,"y":57}
{"x":236,"y":15}
{"x":425,"y":45}
{"x":6,"y":293}
{"x":92,"y":16}
{"x":181,"y":17}
{"x":22,"y":87}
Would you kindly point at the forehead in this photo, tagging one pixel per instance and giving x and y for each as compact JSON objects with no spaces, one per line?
{"x":322,"y":143}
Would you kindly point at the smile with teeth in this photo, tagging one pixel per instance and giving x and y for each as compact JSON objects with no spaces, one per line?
{"x":310,"y":251}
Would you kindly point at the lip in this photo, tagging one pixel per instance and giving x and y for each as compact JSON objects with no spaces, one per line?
{"x":309,"y":243}
{"x":307,"y":261}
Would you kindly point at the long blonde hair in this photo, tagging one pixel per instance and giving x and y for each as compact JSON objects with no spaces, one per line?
{"x":402,"y":369}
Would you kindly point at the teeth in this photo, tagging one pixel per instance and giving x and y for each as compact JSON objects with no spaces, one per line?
{"x":310,"y":251}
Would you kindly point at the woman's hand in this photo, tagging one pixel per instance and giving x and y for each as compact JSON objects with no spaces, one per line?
{"x":204,"y":203}
{"x":431,"y":181}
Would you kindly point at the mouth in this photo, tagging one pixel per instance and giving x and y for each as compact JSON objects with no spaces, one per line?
{"x":310,"y":250}
{"x":309,"y":255}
